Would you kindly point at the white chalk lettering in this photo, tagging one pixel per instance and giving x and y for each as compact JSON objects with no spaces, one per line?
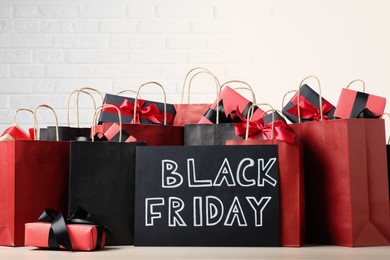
{"x":258,"y":207}
{"x":175,"y":206}
{"x":235,"y":212}
{"x":192,"y":181}
{"x":214,"y":210}
{"x":241,"y":177}
{"x":263,"y":172}
{"x":225,"y":175}
{"x":150,"y":214}
{"x":198,"y":212}
{"x":170,"y":178}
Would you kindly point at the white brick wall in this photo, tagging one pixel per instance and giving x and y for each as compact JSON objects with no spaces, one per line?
{"x":50,"y":47}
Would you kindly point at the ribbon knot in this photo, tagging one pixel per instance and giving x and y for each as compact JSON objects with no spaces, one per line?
{"x":58,"y":234}
{"x":151,"y":112}
{"x":309,"y":112}
{"x":258,"y":129}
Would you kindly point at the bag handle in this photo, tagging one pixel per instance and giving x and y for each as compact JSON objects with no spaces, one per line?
{"x":127,"y":90}
{"x":358,"y":80}
{"x":23,"y":109}
{"x":97,"y":111}
{"x":196,"y":69}
{"x":249,"y":117}
{"x":217,"y":84}
{"x":276,"y":110}
{"x":137,"y":97}
{"x":84,"y":90}
{"x":36,"y":132}
{"x":68,"y":109}
{"x":286,"y":94}
{"x":388,"y":116}
{"x":299,"y":95}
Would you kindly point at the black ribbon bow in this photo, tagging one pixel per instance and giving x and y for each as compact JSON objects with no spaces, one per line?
{"x":232,"y":117}
{"x":59,"y":236}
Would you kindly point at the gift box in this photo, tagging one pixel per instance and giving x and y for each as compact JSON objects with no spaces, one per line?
{"x":82,"y":237}
{"x":14,"y":132}
{"x":230,"y":104}
{"x":76,"y":233}
{"x":148,"y":112}
{"x":309,"y":106}
{"x":356,"y":104}
{"x":114,"y":133}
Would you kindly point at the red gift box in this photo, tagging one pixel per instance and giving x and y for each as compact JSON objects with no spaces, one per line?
{"x":353,"y":104}
{"x":14,"y":132}
{"x":113,"y":133}
{"x":82,"y":237}
{"x":229,"y":104}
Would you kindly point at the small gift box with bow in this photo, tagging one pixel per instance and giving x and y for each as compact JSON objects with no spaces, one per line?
{"x":356,"y":104}
{"x":148,"y":112}
{"x":76,"y":233}
{"x":230,"y":103}
{"x":309,"y":105}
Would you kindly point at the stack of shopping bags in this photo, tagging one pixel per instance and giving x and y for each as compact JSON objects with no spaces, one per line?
{"x":232,"y":172}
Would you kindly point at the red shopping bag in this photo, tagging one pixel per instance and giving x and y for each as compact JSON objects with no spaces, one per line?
{"x":33,"y":176}
{"x":291,"y":178}
{"x":346,"y":181}
{"x":187,"y":113}
{"x":356,"y":104}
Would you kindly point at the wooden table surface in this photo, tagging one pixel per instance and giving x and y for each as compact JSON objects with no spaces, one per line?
{"x":187,"y":253}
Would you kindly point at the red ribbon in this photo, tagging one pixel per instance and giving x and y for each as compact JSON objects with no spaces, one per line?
{"x":258,"y":129}
{"x":151,"y":112}
{"x":309,"y":111}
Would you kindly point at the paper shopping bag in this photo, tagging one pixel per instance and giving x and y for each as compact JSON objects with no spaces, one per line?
{"x":291,"y":178}
{"x":101,"y":181}
{"x":33,"y":176}
{"x":346,"y":181}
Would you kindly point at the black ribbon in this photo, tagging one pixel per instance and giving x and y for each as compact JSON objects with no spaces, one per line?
{"x":366,"y":113}
{"x":232,"y":117}
{"x":59,"y":236}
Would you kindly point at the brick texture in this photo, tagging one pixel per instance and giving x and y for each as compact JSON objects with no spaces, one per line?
{"x":49,"y":48}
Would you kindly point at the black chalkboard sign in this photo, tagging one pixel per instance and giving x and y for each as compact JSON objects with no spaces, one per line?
{"x":207,"y":196}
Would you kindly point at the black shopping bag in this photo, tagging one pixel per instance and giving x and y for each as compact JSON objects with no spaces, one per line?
{"x":101,"y":181}
{"x":207,"y":196}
